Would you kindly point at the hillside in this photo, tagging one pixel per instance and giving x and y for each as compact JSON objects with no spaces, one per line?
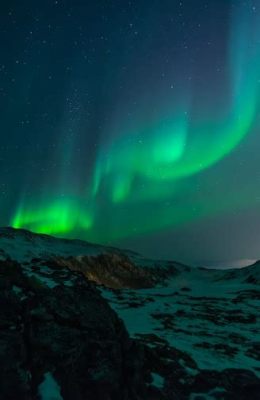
{"x":193,"y":332}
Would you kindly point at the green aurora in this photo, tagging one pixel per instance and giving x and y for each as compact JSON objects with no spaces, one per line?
{"x":142,"y":171}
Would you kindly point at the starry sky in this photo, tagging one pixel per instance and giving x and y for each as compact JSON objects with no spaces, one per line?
{"x":133,"y":123}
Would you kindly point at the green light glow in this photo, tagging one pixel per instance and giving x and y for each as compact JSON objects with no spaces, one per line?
{"x":141,"y":179}
{"x":57,"y":218}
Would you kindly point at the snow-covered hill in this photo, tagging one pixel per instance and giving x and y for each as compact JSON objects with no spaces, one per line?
{"x":206,"y":319}
{"x":24,"y":245}
{"x":110,"y":266}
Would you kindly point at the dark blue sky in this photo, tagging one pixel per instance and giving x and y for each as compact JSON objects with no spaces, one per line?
{"x":133,"y":123}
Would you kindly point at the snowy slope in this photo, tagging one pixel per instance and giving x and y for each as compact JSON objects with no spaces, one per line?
{"x":23,"y":245}
{"x":213,"y":319}
{"x":212,"y":315}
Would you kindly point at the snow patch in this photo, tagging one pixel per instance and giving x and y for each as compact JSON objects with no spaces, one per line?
{"x":158,"y":380}
{"x":49,"y":388}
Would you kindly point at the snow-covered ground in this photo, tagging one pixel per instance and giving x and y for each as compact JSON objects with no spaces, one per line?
{"x":212,"y":315}
{"x":215,"y":321}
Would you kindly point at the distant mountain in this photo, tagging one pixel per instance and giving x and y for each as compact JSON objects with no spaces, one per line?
{"x":25,"y":245}
{"x":113,"y":267}
{"x":110,"y":266}
{"x":250,"y":274}
{"x":193,"y":333}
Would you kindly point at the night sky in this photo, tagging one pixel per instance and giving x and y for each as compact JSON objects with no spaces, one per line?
{"x":133,"y":123}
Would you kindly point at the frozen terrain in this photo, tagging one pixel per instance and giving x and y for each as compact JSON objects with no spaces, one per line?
{"x":200,"y":327}
{"x":214,"y":318}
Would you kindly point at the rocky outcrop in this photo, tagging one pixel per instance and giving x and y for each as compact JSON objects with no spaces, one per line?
{"x":108,"y":266}
{"x":113,"y":270}
{"x":55,"y":325}
{"x":183,"y":380}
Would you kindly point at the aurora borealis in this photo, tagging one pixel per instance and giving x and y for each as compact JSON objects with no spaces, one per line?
{"x":128,"y":122}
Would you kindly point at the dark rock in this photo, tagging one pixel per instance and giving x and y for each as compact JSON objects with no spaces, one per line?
{"x":70,"y":332}
{"x":237,"y":384}
{"x":112,"y":270}
{"x":254,"y":351}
